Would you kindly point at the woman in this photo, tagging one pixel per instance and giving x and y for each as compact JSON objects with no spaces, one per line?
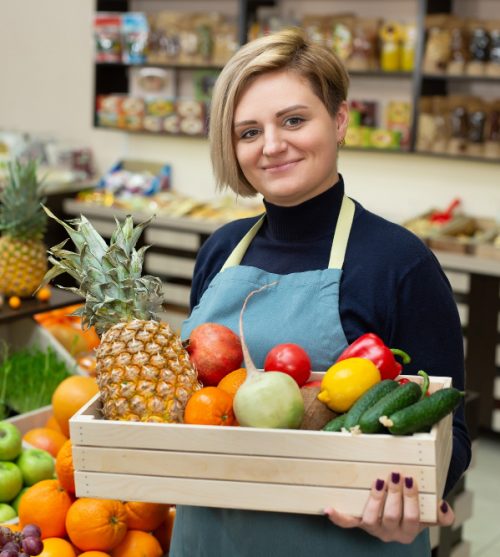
{"x":279,"y":114}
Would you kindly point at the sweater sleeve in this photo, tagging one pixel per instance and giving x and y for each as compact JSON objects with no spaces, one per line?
{"x":426,"y":324}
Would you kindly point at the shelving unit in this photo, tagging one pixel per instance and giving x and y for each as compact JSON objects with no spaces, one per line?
{"x":113,"y":77}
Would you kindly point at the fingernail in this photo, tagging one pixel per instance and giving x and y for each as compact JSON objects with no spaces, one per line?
{"x":379,"y":485}
{"x":444,"y":507}
{"x":409,"y":483}
{"x":395,"y":477}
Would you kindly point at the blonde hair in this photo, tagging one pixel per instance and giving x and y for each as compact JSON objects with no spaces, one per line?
{"x":285,"y":50}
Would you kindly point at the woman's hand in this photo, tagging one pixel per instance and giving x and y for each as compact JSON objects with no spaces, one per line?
{"x":392,"y":511}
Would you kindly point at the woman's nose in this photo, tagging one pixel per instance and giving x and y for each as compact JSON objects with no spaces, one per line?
{"x":273,"y":143}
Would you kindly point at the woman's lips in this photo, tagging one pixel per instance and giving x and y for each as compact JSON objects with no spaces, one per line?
{"x":281,"y":167}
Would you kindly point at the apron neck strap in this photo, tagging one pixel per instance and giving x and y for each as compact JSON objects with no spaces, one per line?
{"x":339,"y":244}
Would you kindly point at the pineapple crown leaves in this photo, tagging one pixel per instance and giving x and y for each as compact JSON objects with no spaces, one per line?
{"x":108,"y":277}
{"x":21,"y":199}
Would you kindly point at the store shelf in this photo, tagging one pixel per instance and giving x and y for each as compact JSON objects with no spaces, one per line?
{"x":60,"y":298}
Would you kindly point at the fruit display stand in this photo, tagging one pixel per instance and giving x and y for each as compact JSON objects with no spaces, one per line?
{"x":250,"y":468}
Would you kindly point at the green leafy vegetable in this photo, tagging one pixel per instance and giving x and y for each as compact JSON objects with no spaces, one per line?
{"x":28,"y":378}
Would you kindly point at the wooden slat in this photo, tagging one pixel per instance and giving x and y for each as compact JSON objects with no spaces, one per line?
{"x":29,"y":420}
{"x":251,"y":468}
{"x":169,"y":265}
{"x":176,"y":293}
{"x":172,"y":238}
{"x":249,"y":495}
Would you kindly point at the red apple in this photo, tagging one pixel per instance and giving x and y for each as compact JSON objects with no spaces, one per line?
{"x":215,"y":350}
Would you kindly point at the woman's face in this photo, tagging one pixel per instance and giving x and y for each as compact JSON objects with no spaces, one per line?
{"x":285,"y":139}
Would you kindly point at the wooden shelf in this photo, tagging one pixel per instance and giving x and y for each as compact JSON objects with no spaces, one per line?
{"x":30,"y":306}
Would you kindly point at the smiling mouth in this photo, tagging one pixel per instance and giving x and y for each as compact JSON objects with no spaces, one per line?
{"x":281,"y":167}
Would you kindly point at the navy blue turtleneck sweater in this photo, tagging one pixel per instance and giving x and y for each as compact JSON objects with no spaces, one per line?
{"x":392,"y":285}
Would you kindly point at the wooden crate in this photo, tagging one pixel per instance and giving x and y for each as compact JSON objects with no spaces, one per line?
{"x":251,"y":468}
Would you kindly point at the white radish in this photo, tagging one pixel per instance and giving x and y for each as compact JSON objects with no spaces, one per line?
{"x":270,"y":399}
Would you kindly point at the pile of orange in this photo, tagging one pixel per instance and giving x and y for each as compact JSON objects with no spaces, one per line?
{"x":96,"y":527}
{"x":214,"y":405}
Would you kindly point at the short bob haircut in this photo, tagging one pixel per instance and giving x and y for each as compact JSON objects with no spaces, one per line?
{"x":285,"y":50}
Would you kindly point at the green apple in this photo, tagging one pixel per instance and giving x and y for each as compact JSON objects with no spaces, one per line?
{"x":35,"y":465}
{"x":15,"y":502}
{"x":6,"y":512}
{"x":11,"y":481}
{"x":10,"y":441}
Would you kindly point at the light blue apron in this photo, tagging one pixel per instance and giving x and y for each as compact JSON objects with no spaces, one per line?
{"x":302,"y":308}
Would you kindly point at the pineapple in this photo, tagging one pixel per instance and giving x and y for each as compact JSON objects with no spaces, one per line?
{"x":143,"y":371}
{"x":23,"y":256}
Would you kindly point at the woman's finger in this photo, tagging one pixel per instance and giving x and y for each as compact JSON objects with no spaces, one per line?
{"x":410,"y":524}
{"x":446,"y":516}
{"x":393,"y":508}
{"x":374,"y":506}
{"x":342,"y":520}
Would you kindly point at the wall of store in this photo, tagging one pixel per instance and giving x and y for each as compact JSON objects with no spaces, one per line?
{"x":46,"y":88}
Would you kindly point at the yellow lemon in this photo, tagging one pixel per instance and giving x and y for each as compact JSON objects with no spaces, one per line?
{"x":346,"y":381}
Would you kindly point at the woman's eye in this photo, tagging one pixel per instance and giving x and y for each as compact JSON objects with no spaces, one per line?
{"x":294,"y":121}
{"x":249,"y":134}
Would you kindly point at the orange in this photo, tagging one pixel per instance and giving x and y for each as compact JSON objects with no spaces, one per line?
{"x":51,"y":423}
{"x":98,"y":524}
{"x":46,"y":504}
{"x":233,"y":381}
{"x":57,"y":547}
{"x":209,"y":406}
{"x":138,"y":544}
{"x":45,"y":438}
{"x":69,"y":396}
{"x":164,"y":532}
{"x":94,"y":554}
{"x":15,"y":302}
{"x":44,"y":294}
{"x":144,"y":516}
{"x":64,"y":467}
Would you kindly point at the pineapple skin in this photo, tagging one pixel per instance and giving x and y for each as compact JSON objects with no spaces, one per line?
{"x":144,"y":373}
{"x":23,"y":264}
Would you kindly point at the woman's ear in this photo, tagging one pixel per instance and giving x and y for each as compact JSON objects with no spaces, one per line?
{"x":342,"y":119}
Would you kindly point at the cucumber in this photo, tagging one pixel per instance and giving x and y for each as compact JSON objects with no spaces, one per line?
{"x":399,"y":398}
{"x":424,"y":413}
{"x":368,"y":399}
{"x":336,"y":424}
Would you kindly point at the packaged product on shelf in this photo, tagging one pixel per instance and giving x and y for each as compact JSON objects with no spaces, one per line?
{"x":107,"y":37}
{"x":203,"y":84}
{"x":340,"y":38}
{"x":476,"y":114}
{"x":492,"y":131}
{"x":479,"y":48}
{"x":225,"y":41}
{"x":398,"y":119}
{"x":442,"y":130}
{"x":152,"y":82}
{"x":191,"y":116}
{"x":364,"y":55}
{"x":426,"y":127}
{"x":459,"y":122}
{"x":493,"y":65}
{"x":438,"y":45}
{"x":135,"y":31}
{"x":132,"y":111}
{"x":408,"y":48}
{"x":459,"y":51}
{"x":390,"y":34}
{"x":108,"y":110}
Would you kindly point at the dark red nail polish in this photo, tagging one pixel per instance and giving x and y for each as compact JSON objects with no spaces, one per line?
{"x":409,"y":483}
{"x":395,"y":477}
{"x":379,"y":485}
{"x":444,"y":507}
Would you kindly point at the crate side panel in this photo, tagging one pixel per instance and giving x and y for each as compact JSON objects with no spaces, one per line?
{"x":241,"y":495}
{"x":249,"y":468}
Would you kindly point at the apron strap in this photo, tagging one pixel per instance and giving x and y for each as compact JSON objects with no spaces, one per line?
{"x":341,"y":236}
{"x":339,"y":244}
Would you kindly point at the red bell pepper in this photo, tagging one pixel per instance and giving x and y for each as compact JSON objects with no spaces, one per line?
{"x":371,"y":347}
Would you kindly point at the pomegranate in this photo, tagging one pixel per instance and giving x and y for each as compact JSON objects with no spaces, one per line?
{"x":215,"y":350}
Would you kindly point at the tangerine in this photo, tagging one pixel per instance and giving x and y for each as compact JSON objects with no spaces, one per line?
{"x":70,"y":395}
{"x":51,"y":423}
{"x":44,"y":294}
{"x":57,"y":547}
{"x":209,"y":406}
{"x":46,"y":504}
{"x":164,"y":531}
{"x":137,"y":542}
{"x":64,"y":467}
{"x":94,"y":554}
{"x":233,"y":381}
{"x":144,"y":516}
{"x":45,"y":438}
{"x":96,"y":524}
{"x":15,"y":302}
